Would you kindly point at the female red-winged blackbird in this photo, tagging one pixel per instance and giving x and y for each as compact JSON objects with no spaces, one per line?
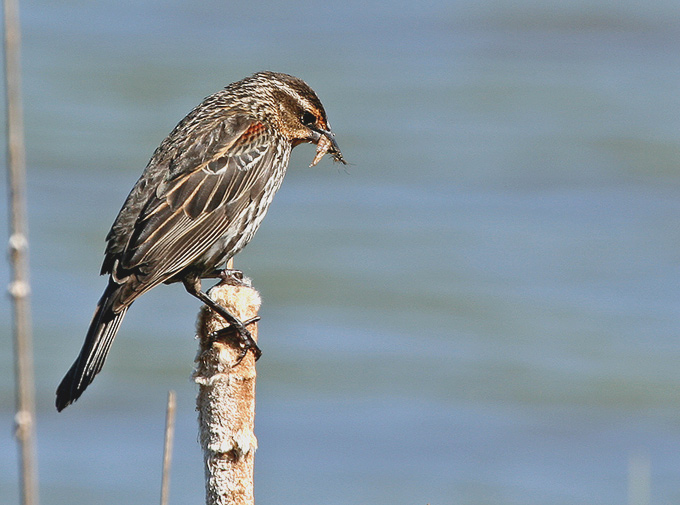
{"x":199,"y":201}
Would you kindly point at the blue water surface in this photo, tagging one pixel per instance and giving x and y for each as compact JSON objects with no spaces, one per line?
{"x":483,"y":308}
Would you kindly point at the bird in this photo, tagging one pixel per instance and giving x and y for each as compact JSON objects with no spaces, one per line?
{"x":199,"y":201}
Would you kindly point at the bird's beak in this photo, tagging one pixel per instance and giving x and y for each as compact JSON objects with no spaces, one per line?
{"x":325,"y":143}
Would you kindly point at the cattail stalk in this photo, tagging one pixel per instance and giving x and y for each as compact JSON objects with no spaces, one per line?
{"x":226,"y":400}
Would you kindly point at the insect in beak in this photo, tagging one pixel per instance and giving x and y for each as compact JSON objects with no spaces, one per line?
{"x":325,"y":143}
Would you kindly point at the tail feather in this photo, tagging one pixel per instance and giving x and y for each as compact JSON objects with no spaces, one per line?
{"x":100,"y":335}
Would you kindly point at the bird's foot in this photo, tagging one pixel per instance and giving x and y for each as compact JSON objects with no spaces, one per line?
{"x":231,"y":276}
{"x":237,"y":333}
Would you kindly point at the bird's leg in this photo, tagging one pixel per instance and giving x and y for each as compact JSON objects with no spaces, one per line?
{"x":192,"y":283}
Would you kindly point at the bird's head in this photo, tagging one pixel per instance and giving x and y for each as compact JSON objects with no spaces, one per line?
{"x":299,"y":114}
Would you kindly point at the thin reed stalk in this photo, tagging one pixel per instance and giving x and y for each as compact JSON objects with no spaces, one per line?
{"x":167,"y":446}
{"x":19,"y":288}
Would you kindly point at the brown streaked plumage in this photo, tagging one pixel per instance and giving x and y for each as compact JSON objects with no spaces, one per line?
{"x":199,"y":202}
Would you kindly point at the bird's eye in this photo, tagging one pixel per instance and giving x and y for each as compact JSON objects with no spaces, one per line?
{"x":308,"y":119}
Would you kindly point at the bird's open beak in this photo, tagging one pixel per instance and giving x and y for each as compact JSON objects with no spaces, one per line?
{"x":325,"y":143}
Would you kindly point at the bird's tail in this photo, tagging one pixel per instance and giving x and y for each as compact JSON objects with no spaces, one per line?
{"x":100,"y":335}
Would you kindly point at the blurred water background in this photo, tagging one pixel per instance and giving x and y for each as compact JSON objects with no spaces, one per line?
{"x":482,"y":309}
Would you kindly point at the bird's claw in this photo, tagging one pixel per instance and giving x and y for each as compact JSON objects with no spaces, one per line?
{"x":241,"y":336}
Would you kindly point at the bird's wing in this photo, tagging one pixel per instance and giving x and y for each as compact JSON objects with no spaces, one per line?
{"x":183,"y":151}
{"x":196,"y":204}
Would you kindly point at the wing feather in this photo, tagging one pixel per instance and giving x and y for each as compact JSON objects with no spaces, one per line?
{"x":214,"y":199}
